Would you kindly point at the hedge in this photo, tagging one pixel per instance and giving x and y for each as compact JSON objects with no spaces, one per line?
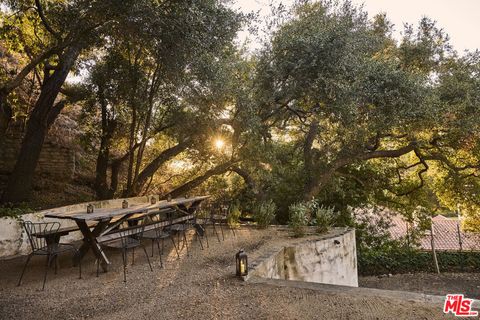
{"x":373,"y":262}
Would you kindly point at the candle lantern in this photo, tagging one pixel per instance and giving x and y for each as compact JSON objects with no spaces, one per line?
{"x":124,"y":204}
{"x":90,"y":208}
{"x":242,"y":263}
{"x":153,"y":200}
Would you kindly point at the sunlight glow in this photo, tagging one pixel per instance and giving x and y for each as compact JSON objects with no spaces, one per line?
{"x":219,"y":143}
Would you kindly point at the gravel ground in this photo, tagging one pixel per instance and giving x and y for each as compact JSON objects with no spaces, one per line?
{"x":431,"y":283}
{"x":201,"y":286}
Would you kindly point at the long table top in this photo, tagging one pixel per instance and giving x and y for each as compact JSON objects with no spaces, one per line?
{"x":107,"y":213}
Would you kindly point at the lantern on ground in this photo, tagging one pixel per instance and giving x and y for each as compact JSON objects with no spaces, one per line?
{"x":90,"y":208}
{"x":242,"y":263}
{"x":124,"y":204}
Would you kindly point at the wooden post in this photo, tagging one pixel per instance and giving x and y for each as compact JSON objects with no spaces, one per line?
{"x":459,"y":233}
{"x":432,"y":241}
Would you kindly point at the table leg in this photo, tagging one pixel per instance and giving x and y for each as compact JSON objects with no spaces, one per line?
{"x":90,"y":242}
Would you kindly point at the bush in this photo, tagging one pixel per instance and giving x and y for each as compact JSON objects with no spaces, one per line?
{"x":264,"y":213}
{"x":233,"y":217}
{"x":299,"y":216}
{"x":324,"y":218}
{"x":14,"y":211}
{"x":404,"y":260}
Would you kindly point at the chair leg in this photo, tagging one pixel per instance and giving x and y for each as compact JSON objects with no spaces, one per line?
{"x":124,"y":257}
{"x":98,"y":265}
{"x":176,"y":250}
{"x":160,"y":252}
{"x":185,"y":242}
{"x":152,"y":246}
{"x":133,"y":256}
{"x":24,"y":268}
{"x":206,"y":235}
{"x":56,"y":263}
{"x":199,"y":237}
{"x":148,"y":259}
{"x":216,"y":232}
{"x":49,"y":259}
{"x":80,"y":269}
{"x":221,"y":229}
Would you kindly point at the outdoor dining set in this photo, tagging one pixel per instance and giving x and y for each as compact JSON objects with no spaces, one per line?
{"x":125,"y":229}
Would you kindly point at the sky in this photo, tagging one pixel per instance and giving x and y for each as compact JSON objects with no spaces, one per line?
{"x":459,"y":18}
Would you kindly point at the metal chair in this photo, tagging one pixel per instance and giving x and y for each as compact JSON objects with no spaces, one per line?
{"x":44,"y":241}
{"x":129,"y":238}
{"x":157,"y":234}
{"x":219,"y":216}
{"x":182,"y":228}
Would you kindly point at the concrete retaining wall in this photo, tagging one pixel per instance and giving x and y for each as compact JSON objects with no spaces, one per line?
{"x":332,"y":260}
{"x":13,"y":240}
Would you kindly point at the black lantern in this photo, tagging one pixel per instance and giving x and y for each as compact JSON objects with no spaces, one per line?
{"x":90,"y":208}
{"x":242,"y":263}
{"x":124,"y":204}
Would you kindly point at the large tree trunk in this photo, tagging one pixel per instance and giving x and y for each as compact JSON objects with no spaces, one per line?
{"x":250,"y":182}
{"x":153,"y":166}
{"x":198,"y":180}
{"x":308,"y":157}
{"x":5,"y":114}
{"x":325,"y":177}
{"x":102,"y":189}
{"x":43,"y":115}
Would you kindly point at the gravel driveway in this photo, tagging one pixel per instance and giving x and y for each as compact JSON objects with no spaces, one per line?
{"x":201,"y":286}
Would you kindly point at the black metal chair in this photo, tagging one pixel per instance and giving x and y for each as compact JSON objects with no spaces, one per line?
{"x":129,"y":239}
{"x":219,"y":217}
{"x":44,"y":241}
{"x":157,"y":234}
{"x":181,"y":230}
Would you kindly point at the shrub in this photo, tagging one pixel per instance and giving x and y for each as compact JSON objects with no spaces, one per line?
{"x":233,"y":217}
{"x":264,"y":213}
{"x":14,"y":211}
{"x":403,"y":260}
{"x":324,"y":218}
{"x":298,"y":218}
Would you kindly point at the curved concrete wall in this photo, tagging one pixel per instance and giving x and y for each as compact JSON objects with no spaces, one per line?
{"x":13,"y":240}
{"x":332,"y":259}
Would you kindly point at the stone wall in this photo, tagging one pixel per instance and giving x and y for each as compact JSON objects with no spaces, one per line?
{"x":332,"y":259}
{"x":14,"y":241}
{"x":56,"y":162}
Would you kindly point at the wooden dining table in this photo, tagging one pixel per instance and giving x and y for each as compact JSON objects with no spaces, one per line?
{"x":108,"y":220}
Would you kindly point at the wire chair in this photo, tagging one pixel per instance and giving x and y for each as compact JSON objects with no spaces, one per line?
{"x":157,"y":234}
{"x":44,"y":241}
{"x":181,"y":230}
{"x":129,"y":239}
{"x":219,"y":217}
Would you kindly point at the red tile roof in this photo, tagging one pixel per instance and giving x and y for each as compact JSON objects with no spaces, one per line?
{"x":445,"y":234}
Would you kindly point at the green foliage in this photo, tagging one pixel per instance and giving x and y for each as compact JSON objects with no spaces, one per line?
{"x":324,"y":218}
{"x":264,"y":213}
{"x":300,"y":214}
{"x":311,"y":213}
{"x":233,"y":217}
{"x":14,"y":211}
{"x":404,"y":260}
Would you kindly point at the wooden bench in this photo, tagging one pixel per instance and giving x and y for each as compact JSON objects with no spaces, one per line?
{"x":64,"y":231}
{"x":116,"y":234}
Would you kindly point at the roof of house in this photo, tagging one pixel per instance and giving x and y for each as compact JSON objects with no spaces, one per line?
{"x":445,"y":232}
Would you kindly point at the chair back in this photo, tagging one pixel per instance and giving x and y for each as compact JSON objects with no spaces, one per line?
{"x":38,"y":232}
{"x":133,"y":232}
